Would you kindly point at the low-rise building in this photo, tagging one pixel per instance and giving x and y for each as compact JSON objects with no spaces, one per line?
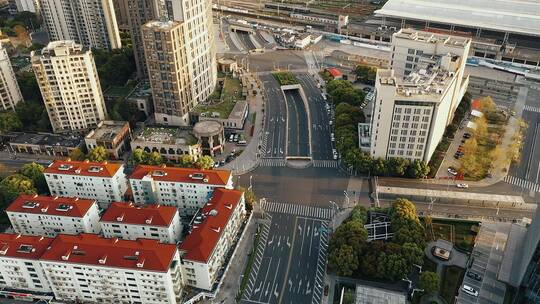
{"x":185,"y":188}
{"x":104,"y":182}
{"x":52,"y":215}
{"x":211,"y":135}
{"x":130,"y":221}
{"x":171,"y":142}
{"x":302,"y":41}
{"x":205,"y":248}
{"x":335,"y":73}
{"x":236,"y":118}
{"x":92,"y":269}
{"x":141,"y":98}
{"x":20,"y":269}
{"x":114,"y":136}
{"x":44,"y":143}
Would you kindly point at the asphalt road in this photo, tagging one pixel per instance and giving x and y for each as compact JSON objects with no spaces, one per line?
{"x":245,"y":39}
{"x":320,"y":126}
{"x":274,"y":136}
{"x":292,"y":267}
{"x":298,"y":128}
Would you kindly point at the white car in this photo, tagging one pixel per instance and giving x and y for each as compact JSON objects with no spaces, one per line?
{"x":462,"y":186}
{"x":469,"y":290}
{"x":452,"y":171}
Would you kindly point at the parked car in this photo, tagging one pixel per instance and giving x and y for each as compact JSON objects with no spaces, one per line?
{"x":474,"y":276}
{"x":462,"y":186}
{"x":467,"y":135}
{"x":452,"y":171}
{"x":469,"y":290}
{"x":236,"y":137}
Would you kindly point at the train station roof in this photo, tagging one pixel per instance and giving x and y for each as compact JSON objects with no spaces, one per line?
{"x":514,"y":16}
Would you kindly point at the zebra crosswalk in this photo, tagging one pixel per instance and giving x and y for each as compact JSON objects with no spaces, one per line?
{"x":264,"y":144}
{"x":532,"y":109}
{"x":523,"y":183}
{"x":301,"y":210}
{"x":317,"y":163}
{"x":272,"y":162}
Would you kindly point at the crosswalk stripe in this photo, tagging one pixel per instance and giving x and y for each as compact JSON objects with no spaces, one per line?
{"x":532,"y":108}
{"x":300,"y":210}
{"x":325,"y":163}
{"x":523,"y":183}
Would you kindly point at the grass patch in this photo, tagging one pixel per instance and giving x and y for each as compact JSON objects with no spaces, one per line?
{"x":285,"y":78}
{"x":249,"y":265}
{"x":452,"y":278}
{"x":224,"y":98}
{"x":461,"y":233}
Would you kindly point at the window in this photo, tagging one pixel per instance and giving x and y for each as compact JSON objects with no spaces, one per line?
{"x":411,"y":51}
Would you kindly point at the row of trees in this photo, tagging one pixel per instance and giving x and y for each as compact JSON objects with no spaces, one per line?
{"x":351,"y":254}
{"x":343,"y":91}
{"x":365,"y":74}
{"x":98,"y":154}
{"x":141,"y":157}
{"x":397,"y":167}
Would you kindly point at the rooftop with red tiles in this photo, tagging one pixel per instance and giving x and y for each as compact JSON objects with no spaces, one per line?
{"x":85,"y":168}
{"x":182,"y":175}
{"x":91,"y":249}
{"x":334,"y":72}
{"x":130,"y":213}
{"x":23,"y":246}
{"x":205,"y":233}
{"x":50,"y":205}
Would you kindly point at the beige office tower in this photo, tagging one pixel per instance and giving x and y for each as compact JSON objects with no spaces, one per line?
{"x":91,"y":23}
{"x":181,"y":61}
{"x":69,"y":83}
{"x":10,"y":94}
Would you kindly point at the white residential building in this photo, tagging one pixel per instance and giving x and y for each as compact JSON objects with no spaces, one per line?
{"x":104,"y":182}
{"x":69,"y":83}
{"x":92,"y":269}
{"x":213,"y":230}
{"x":53,"y":215}
{"x":91,"y":23}
{"x":129,"y":221}
{"x":28,"y":6}
{"x":19,"y":263}
{"x":10,"y":94}
{"x":185,"y":188}
{"x":417,"y":97}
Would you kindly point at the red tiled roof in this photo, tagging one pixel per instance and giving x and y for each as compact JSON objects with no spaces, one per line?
{"x":104,"y":169}
{"x":91,"y":249}
{"x":476,"y":103}
{"x":202,"y":240}
{"x":182,"y":175}
{"x":23,"y":246}
{"x":334,"y":72}
{"x":50,"y":205}
{"x":154,"y":215}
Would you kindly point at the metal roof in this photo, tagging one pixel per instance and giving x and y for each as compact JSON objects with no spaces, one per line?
{"x":515,"y":16}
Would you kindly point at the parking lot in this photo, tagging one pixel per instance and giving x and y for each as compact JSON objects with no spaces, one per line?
{"x":484,"y":265}
{"x":290,"y":263}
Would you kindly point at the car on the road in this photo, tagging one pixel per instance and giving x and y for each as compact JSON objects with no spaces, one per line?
{"x":452,"y":171}
{"x":332,"y":138}
{"x":513,"y":113}
{"x":469,"y":290}
{"x":462,"y":186}
{"x":331,"y":122}
{"x":467,"y":135}
{"x":474,"y":276}
{"x":366,"y":89}
{"x":458,"y":155}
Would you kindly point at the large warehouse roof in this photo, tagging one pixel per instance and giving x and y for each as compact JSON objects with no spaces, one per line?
{"x":515,"y":16}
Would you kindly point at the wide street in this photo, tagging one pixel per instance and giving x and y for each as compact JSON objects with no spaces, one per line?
{"x":298,"y":126}
{"x":274,"y":133}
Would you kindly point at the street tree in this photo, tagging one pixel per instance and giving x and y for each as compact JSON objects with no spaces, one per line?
{"x":351,"y":233}
{"x":487,"y":105}
{"x":249,"y":197}
{"x":360,"y":214}
{"x":395,"y":267}
{"x":9,"y":122}
{"x":344,"y":260}
{"x":154,"y":159}
{"x":187,"y":161}
{"x":397,"y":166}
{"x":413,"y":254}
{"x":34,"y":172}
{"x":98,"y":154}
{"x":379,"y":167}
{"x":205,"y":162}
{"x":13,"y":185}
{"x":429,"y":282}
{"x":76,"y":154}
{"x":138,"y":156}
{"x":418,"y":169}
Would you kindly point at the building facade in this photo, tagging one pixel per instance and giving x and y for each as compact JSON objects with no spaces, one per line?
{"x":91,"y":23}
{"x":172,"y":143}
{"x":114,"y":136}
{"x":10,"y":94}
{"x":20,"y":269}
{"x":44,"y":143}
{"x":130,"y":222}
{"x":104,"y":182}
{"x":90,"y":268}
{"x":416,"y":98}
{"x":212,"y":233}
{"x":69,"y":83}
{"x":185,"y":188}
{"x":53,"y":215}
{"x":28,"y":6}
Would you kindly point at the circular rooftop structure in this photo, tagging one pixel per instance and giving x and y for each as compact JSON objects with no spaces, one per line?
{"x":207,"y":128}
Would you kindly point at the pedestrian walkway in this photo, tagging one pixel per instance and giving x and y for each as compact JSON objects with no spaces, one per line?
{"x":324,"y":163}
{"x":272,"y":162}
{"x":523,"y":183}
{"x":300,"y":210}
{"x":531,"y":108}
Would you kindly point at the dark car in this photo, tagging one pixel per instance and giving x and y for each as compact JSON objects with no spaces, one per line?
{"x":467,"y":135}
{"x":474,"y":276}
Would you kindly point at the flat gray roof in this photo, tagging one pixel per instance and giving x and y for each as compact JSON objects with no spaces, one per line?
{"x":515,"y":16}
{"x":372,"y":295}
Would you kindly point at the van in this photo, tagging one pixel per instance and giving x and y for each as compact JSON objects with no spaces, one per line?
{"x":469,"y":290}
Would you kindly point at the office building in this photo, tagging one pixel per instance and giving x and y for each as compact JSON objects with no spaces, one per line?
{"x":104,"y":182}
{"x":10,"y":94}
{"x":20,"y":269}
{"x":91,"y":269}
{"x":114,"y":136}
{"x":190,"y":74}
{"x":211,"y":237}
{"x":53,"y":215}
{"x":91,"y":23}
{"x":129,"y":221}
{"x":417,"y":96}
{"x":69,"y":83}
{"x":185,"y":188}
